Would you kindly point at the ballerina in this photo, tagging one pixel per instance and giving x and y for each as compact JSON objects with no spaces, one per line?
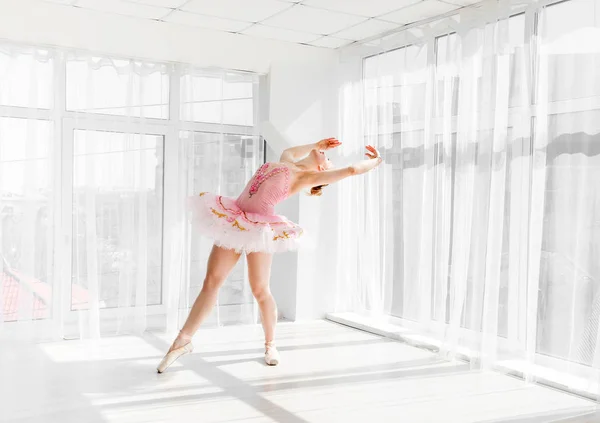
{"x":249,"y":225}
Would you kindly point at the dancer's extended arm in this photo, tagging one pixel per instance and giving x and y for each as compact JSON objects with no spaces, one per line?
{"x":297,"y":153}
{"x":326,"y":177}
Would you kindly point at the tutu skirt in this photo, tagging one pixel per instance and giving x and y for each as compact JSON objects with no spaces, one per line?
{"x":222,"y":220}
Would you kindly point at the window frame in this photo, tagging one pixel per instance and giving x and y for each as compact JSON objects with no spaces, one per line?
{"x":65,"y":123}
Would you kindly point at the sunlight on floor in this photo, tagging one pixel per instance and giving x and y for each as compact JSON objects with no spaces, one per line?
{"x":328,"y":373}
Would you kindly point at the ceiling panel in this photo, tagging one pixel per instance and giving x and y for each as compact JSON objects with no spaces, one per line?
{"x":317,"y":21}
{"x":264,"y":31}
{"x":367,"y":8}
{"x":203,"y":21}
{"x":330,"y":42}
{"x":121,"y":7}
{"x":241,"y":10}
{"x":321,"y":23}
{"x":365,"y":29}
{"x":172,"y":4}
{"x":423,"y":10}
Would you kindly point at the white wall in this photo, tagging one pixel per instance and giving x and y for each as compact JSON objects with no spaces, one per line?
{"x":304,"y":109}
{"x":284,"y":272}
{"x":41,"y":23}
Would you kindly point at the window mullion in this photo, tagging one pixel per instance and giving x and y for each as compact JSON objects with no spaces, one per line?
{"x":174,"y":170}
{"x":61,"y":273}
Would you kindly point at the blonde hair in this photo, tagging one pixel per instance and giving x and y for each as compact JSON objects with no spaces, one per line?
{"x":317,"y":191}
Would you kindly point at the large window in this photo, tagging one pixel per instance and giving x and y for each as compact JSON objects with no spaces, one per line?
{"x":96,"y":155}
{"x":493,"y":137}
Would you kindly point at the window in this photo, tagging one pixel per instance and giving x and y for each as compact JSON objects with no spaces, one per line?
{"x":222,"y":98}
{"x":569,"y":269}
{"x":26,"y":217}
{"x":395,"y":85}
{"x":514,"y":130}
{"x":86,"y":145}
{"x":228,"y":176}
{"x":27,"y":78}
{"x":117,"y":218}
{"x":569,"y":30}
{"x":446,"y":74}
{"x":126,"y":88}
{"x":569,"y":273}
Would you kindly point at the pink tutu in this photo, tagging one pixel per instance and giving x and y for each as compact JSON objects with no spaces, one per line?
{"x":221,"y":219}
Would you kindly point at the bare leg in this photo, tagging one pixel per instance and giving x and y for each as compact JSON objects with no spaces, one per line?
{"x":259,"y":273}
{"x":220,"y":263}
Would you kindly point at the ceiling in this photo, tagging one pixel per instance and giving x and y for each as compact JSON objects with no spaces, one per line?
{"x":320,"y":23}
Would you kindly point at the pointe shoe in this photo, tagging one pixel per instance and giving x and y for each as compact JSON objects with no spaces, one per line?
{"x":173,"y":355}
{"x":271,"y":354}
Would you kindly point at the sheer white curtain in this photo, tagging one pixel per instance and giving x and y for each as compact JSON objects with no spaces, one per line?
{"x":115,"y":151}
{"x":97,"y":155}
{"x":28,"y":219}
{"x":480,"y":231}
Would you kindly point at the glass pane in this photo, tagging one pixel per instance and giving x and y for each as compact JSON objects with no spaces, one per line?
{"x":221,"y":164}
{"x":448,"y":56}
{"x":212,"y":99}
{"x":568,"y":16}
{"x":447,"y":81}
{"x":117,"y":219}
{"x":570,"y":35}
{"x":121,"y":91}
{"x":570,"y":270}
{"x":512,"y":292}
{"x":395,"y":86}
{"x":370,"y":68}
{"x":519,"y":92}
{"x":26,"y":219}
{"x":26,"y":80}
{"x":407,"y":183}
{"x":443,"y":205}
{"x":410,"y":85}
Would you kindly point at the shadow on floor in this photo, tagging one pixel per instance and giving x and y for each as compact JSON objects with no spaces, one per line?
{"x":322,"y":345}
{"x":230,"y":386}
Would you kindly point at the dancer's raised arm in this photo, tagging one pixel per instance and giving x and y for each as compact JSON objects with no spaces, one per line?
{"x":294,"y":154}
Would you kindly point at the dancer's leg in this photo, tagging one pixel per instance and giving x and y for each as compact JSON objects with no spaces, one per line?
{"x":220,"y":263}
{"x":259,"y":273}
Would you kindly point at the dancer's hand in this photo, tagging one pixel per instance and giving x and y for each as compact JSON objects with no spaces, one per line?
{"x":328,"y":144}
{"x":366,"y":165}
{"x":372,"y":153}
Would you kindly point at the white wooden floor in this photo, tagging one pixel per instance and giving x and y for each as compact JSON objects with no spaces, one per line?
{"x":329,"y":373}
